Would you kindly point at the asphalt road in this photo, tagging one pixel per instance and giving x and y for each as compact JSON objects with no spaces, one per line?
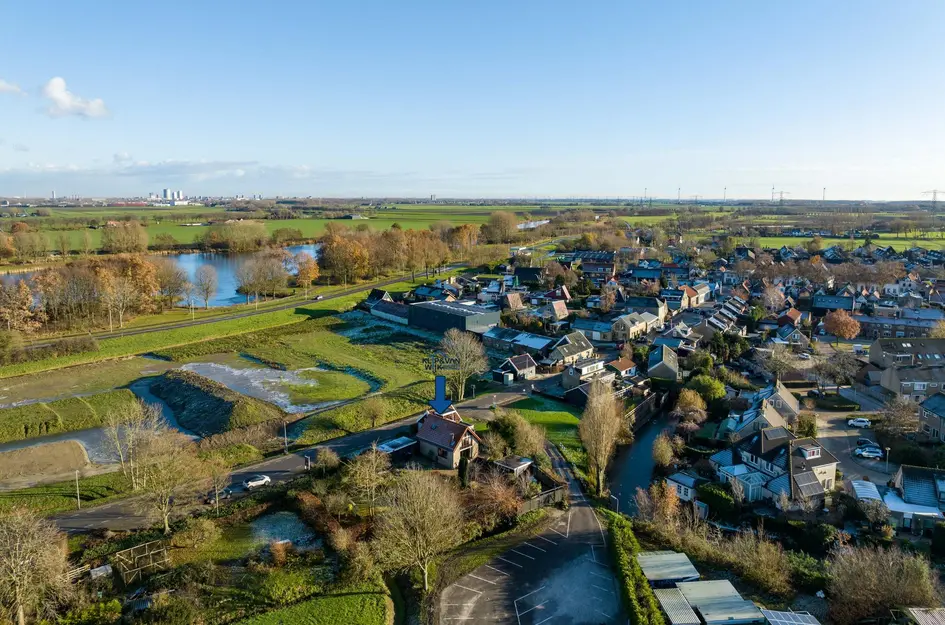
{"x":840,"y":440}
{"x":128,"y":514}
{"x":559,"y":577}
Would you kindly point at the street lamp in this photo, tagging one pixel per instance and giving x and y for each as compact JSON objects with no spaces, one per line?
{"x":473,"y":391}
{"x":617,"y":499}
{"x":887,"y":460}
{"x":285,"y":436}
{"x":493,"y":401}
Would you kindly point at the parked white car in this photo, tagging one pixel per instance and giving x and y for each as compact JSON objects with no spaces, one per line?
{"x":804,"y":356}
{"x":859,"y":422}
{"x":873,"y":453}
{"x":256,"y":481}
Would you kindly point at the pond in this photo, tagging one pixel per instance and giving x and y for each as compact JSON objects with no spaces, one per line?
{"x":633,"y":465}
{"x":283,"y":526}
{"x":295,"y":392}
{"x":226,"y":265}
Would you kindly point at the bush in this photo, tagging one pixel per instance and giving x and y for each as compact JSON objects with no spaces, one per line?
{"x":172,"y":610}
{"x":808,"y":573}
{"x":938,"y":540}
{"x":719,"y":499}
{"x":806,"y":426}
{"x":358,"y":564}
{"x":282,"y":587}
{"x":197,"y":533}
{"x":641,"y":603}
{"x":105,"y":613}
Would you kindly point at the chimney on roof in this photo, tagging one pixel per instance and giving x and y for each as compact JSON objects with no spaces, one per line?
{"x":452,"y":439}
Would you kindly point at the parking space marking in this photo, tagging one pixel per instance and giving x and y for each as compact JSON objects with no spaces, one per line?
{"x":593,"y":555}
{"x":510,"y":562}
{"x":534,"y":547}
{"x":529,"y":594}
{"x":569,"y":523}
{"x":524,"y":555}
{"x":500,"y":571}
{"x":557,"y":532}
{"x":548,"y":541}
{"x":481,"y":579}
{"x":478,"y":592}
{"x":599,"y":575}
{"x":602,"y":588}
{"x":534,"y":607}
{"x":544,"y":621}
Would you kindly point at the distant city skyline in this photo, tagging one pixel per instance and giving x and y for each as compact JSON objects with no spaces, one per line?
{"x":484,"y":100}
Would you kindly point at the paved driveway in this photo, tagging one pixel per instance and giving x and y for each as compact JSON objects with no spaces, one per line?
{"x":840,"y":440}
{"x":560,"y":577}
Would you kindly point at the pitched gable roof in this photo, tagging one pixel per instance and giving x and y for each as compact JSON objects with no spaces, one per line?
{"x":442,"y":432}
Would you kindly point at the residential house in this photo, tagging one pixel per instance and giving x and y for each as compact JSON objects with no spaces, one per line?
{"x":445,"y":441}
{"x":515,"y":369}
{"x":594,"y":329}
{"x":932,"y":417}
{"x":685,"y":484}
{"x":917,"y":498}
{"x":663,"y":364}
{"x":875,"y":327}
{"x":676,"y":299}
{"x":773,"y":460}
{"x":584,"y":371}
{"x":889,"y":352}
{"x":512,"y":301}
{"x":434,"y":293}
{"x":823,"y":304}
{"x":623,"y":367}
{"x":629,"y":327}
{"x":528,"y":275}
{"x":510,"y":340}
{"x":701,"y":293}
{"x":772,"y":406}
{"x":568,"y":349}
{"x":598,"y":272}
{"x":377,"y":295}
{"x":441,"y":316}
{"x":653,"y":305}
{"x":391,"y":311}
{"x":790,"y":335}
{"x":556,"y":310}
{"x":791,"y":316}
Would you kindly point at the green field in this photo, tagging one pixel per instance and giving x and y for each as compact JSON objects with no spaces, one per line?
{"x":60,"y":497}
{"x":63,"y":415}
{"x":364,"y":605}
{"x":898,"y":243}
{"x":559,"y":420}
{"x":329,"y":386}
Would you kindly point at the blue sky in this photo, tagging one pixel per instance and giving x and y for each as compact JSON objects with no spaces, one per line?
{"x":474,"y":99}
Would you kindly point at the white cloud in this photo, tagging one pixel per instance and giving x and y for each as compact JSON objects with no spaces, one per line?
{"x":19,"y":147}
{"x":121,"y":158}
{"x":63,"y":102}
{"x":9,"y":87}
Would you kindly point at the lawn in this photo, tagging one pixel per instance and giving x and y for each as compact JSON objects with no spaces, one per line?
{"x":63,"y":415}
{"x":368,"y":604}
{"x":329,"y":386}
{"x":559,"y":420}
{"x":60,"y":497}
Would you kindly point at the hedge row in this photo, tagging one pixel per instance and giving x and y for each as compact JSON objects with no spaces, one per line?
{"x":638,"y":597}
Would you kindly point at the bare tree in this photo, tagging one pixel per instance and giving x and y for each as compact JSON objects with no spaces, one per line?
{"x":374,"y":410}
{"x":367,"y":473}
{"x":663,"y":453}
{"x":468,"y":358}
{"x":129,"y":428}
{"x":189,"y":291}
{"x":494,"y":499}
{"x":900,"y":416}
{"x":424,"y":519}
{"x":773,"y":298}
{"x":870,"y":581}
{"x":738,"y":491}
{"x":599,"y":428}
{"x":326,"y":459}
{"x":779,"y":361}
{"x":206,"y":283}
{"x":874,"y":510}
{"x":170,"y":280}
{"x":32,"y":564}
{"x":170,"y":468}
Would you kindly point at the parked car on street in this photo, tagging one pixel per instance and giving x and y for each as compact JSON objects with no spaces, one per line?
{"x":814,"y":393}
{"x":210,"y":498}
{"x":865,"y":442}
{"x":804,"y":356}
{"x":256,"y":481}
{"x":859,"y":422}
{"x":872,"y":453}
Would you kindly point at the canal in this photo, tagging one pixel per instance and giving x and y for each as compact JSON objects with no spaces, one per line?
{"x":632,"y":467}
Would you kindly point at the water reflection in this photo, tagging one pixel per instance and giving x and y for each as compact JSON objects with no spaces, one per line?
{"x":226,"y":265}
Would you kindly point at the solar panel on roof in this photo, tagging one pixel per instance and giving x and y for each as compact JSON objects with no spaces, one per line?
{"x":775,"y":617}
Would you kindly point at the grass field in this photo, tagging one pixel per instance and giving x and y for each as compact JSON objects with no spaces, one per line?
{"x":60,"y":497}
{"x":41,"y":460}
{"x":62,"y":415}
{"x":193,"y":335}
{"x":330,"y":386}
{"x":559,"y":420}
{"x":368,"y":604}
{"x":898,"y":243}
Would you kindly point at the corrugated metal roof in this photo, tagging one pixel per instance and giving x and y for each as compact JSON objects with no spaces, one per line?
{"x":927,"y":616}
{"x":865,"y":490}
{"x":667,"y":567}
{"x":718,"y":602}
{"x":676,"y":607}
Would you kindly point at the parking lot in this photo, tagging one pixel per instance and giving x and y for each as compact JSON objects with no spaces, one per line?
{"x":840,"y":440}
{"x":560,"y":577}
